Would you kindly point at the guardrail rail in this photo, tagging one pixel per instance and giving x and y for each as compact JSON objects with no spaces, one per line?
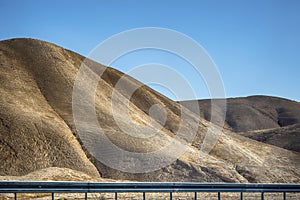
{"x":19,"y":187}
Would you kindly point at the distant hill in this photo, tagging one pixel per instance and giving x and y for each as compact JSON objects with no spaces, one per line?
{"x":255,"y":112}
{"x":266,"y":119}
{"x":37,"y":129}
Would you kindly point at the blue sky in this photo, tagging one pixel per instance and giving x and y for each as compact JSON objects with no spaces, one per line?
{"x":255,"y":44}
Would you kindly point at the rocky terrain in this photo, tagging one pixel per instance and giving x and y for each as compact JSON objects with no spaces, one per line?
{"x":37,"y":129}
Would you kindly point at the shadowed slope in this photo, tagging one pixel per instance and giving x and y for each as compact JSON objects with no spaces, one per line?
{"x":287,"y":137}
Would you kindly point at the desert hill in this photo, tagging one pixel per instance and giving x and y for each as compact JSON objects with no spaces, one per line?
{"x":267,"y":119}
{"x":37,"y":128}
{"x":255,"y":112}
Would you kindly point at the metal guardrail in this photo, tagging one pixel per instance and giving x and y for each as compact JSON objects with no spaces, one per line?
{"x":144,"y":187}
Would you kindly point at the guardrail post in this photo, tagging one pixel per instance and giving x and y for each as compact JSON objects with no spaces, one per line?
{"x":116,"y":196}
{"x":86,"y":196}
{"x":219,"y":196}
{"x":144,"y":196}
{"x":52,"y":195}
{"x":242,"y":197}
{"x":284,"y":195}
{"x":195,"y":196}
{"x":262,"y":196}
{"x":15,"y":194}
{"x":171,"y":196}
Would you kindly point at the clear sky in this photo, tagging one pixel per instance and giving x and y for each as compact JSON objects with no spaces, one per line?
{"x":254,"y":43}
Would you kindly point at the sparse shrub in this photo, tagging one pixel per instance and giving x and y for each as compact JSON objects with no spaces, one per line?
{"x":102,"y":198}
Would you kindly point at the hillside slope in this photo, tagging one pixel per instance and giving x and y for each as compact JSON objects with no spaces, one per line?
{"x":32,"y":135}
{"x":287,"y":137}
{"x":37,"y":129}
